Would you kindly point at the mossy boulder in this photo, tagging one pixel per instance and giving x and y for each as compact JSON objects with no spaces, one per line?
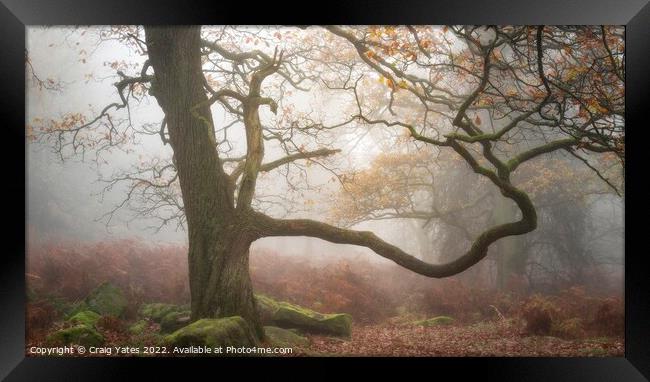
{"x":78,"y":335}
{"x":107,"y":300}
{"x":266,"y":307}
{"x":87,"y":317}
{"x":138,"y":327}
{"x":279,"y":337}
{"x":173,"y":321}
{"x":157,"y":311}
{"x":289,"y":316}
{"x":143,"y":335}
{"x":74,"y":308}
{"x":435,"y":321}
{"x":214,"y":332}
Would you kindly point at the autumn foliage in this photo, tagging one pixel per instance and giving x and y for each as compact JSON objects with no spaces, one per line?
{"x":144,"y":272}
{"x":372,"y":293}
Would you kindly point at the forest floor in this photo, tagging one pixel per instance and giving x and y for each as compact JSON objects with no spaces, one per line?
{"x":482,"y":339}
{"x":387,"y":305}
{"x":489,"y":339}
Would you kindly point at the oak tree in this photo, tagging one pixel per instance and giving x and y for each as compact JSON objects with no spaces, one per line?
{"x":491,"y":97}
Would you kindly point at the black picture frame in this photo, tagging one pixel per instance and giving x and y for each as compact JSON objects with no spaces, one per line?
{"x":15,"y":15}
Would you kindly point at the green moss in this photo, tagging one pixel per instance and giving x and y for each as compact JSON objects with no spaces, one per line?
{"x":266,"y":307}
{"x":79,"y":335}
{"x":570,"y":329}
{"x":174,"y":321}
{"x":138,"y":327}
{"x":74,"y":308}
{"x":214,"y":332}
{"x":157,"y":311}
{"x":435,"y":321}
{"x":289,"y":316}
{"x":107,"y":299}
{"x":313,"y":322}
{"x":279,"y":337}
{"x":141,"y":335}
{"x":87,"y":317}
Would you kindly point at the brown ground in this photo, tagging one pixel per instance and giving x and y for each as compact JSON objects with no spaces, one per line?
{"x":483,"y":339}
{"x":503,"y":339}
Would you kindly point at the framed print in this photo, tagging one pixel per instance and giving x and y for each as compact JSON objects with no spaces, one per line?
{"x":385,"y":185}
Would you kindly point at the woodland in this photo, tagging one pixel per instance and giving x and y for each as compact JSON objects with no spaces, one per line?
{"x":332,"y":190}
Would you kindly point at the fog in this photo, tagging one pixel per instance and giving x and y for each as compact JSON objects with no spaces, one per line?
{"x":68,"y":200}
{"x":65,"y":198}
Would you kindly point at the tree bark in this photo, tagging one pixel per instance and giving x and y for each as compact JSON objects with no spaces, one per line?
{"x":219,"y":242}
{"x":510,"y":256}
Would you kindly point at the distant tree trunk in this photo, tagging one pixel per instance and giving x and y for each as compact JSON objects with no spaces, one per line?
{"x":219,"y":238}
{"x":510,"y":256}
{"x":424,"y":242}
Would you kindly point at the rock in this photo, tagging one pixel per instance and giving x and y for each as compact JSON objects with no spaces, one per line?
{"x":78,"y":335}
{"x":214,"y":332}
{"x":143,"y":335}
{"x":107,"y":300}
{"x":170,"y":317}
{"x":138,"y":327}
{"x":76,"y":307}
{"x":87,"y":317}
{"x":174,"y":321}
{"x":279,"y":337}
{"x":266,"y":308}
{"x":309,"y":321}
{"x":440,"y":320}
{"x":157,"y":311}
{"x":289,"y":316}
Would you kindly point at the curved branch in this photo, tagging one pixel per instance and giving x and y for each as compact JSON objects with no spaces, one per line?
{"x":539,"y":150}
{"x":267,"y":226}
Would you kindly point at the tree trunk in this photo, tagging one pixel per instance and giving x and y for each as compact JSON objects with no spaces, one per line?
{"x":511,"y":258}
{"x":219,"y":240}
{"x":220,"y":283}
{"x":424,"y":242}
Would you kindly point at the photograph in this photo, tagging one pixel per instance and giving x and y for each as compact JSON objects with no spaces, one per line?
{"x":325,"y":191}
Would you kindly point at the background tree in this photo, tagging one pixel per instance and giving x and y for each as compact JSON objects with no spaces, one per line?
{"x":449,"y":205}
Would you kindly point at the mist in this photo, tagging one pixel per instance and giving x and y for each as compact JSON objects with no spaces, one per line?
{"x":104,"y":198}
